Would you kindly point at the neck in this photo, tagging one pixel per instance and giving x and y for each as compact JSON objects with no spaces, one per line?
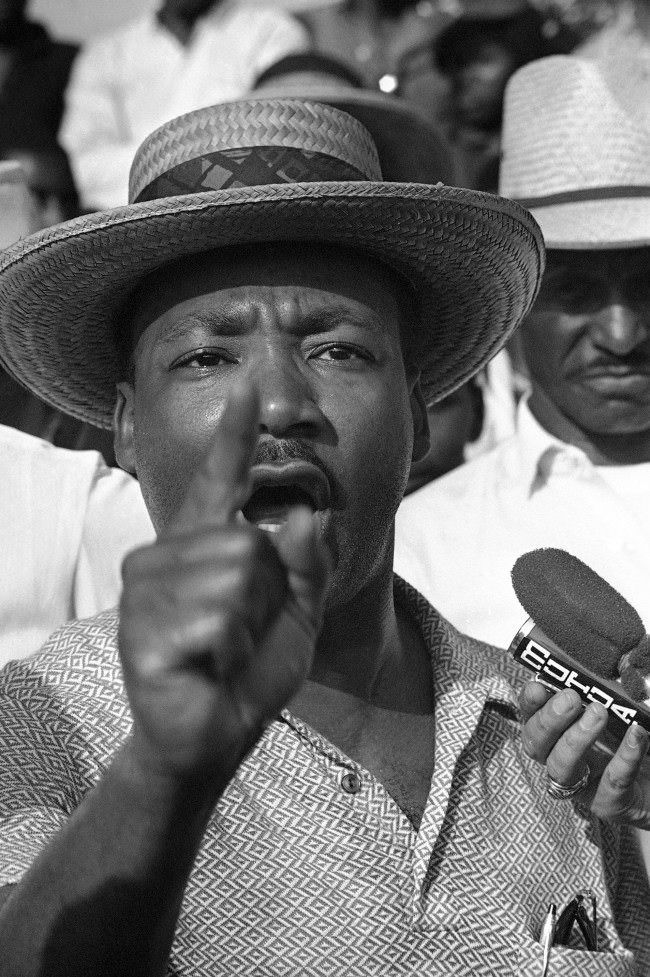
{"x":362,"y":642}
{"x":601,"y":449}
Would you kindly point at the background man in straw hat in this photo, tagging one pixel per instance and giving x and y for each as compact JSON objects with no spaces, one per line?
{"x":576,"y":474}
{"x":187,"y":54}
{"x":277,"y":779}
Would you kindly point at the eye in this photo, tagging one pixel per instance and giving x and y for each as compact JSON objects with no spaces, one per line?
{"x":340,"y":353}
{"x":577,"y":294}
{"x":202,"y":359}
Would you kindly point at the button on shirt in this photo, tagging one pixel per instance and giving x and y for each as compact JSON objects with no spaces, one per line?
{"x":128,"y":83}
{"x":307,"y":866}
{"x":67,"y":523}
{"x":458,"y":537}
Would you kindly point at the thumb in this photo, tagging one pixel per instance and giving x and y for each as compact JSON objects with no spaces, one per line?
{"x":308,"y":564}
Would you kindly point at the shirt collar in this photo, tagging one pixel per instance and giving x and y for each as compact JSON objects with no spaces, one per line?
{"x":460,"y":665}
{"x":538,"y":450}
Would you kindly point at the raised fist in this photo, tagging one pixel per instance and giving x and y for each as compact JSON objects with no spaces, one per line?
{"x":219,"y":618}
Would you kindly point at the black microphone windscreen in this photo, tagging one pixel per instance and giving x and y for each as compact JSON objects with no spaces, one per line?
{"x":577,"y":609}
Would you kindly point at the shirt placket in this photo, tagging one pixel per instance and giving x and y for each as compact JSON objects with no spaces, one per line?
{"x":458,"y":714}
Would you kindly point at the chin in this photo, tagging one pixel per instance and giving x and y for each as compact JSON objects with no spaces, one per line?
{"x":620,"y":422}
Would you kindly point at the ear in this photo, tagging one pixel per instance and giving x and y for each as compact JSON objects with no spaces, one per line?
{"x":421,"y":439}
{"x":123,"y":427}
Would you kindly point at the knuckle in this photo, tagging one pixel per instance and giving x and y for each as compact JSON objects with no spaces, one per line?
{"x":530,"y":745}
{"x":616,"y":780}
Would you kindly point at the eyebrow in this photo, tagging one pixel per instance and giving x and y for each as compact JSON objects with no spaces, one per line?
{"x":227,"y":323}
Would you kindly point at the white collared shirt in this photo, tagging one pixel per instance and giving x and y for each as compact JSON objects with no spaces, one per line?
{"x":128,"y":83}
{"x":458,"y":537}
{"x":67,"y":522}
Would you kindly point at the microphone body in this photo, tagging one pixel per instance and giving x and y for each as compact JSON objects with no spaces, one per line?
{"x":557,"y":670}
{"x":582,"y":635}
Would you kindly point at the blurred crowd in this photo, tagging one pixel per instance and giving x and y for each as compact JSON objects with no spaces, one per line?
{"x":73,"y":117}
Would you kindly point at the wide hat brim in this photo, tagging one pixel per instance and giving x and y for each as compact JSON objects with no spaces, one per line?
{"x":474,"y":260}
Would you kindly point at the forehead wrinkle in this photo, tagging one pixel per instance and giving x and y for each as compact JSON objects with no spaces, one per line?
{"x":289,"y":315}
{"x":216,"y":323}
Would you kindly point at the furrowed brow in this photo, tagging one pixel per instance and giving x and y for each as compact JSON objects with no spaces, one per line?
{"x":214,"y":323}
{"x":330,"y":317}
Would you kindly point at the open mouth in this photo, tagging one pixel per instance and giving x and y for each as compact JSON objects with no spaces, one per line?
{"x":268,"y":507}
{"x":277,"y":491}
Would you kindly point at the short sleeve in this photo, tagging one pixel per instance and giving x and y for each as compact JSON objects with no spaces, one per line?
{"x":56,"y":735}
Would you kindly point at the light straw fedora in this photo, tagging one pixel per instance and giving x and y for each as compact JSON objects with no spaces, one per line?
{"x":576,"y":149}
{"x":411,"y":149}
{"x":265,"y":171}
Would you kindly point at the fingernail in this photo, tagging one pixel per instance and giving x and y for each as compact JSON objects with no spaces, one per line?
{"x":565,"y":702}
{"x":592,"y":716}
{"x":635,"y":736}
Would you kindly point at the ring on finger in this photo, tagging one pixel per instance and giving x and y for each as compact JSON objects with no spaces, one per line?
{"x":563,"y":793}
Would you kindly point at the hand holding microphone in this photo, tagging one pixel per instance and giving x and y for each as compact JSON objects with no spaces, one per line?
{"x":587,"y":642}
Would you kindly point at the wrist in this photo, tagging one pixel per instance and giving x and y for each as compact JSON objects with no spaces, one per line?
{"x":161,"y":792}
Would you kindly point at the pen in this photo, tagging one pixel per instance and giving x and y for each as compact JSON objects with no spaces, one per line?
{"x":547,"y":935}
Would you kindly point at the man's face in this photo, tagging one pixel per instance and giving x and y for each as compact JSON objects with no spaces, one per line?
{"x":587,"y":340}
{"x":317,"y":334}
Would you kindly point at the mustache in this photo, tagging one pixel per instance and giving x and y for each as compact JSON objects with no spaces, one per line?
{"x":636,"y":360}
{"x":285,"y":450}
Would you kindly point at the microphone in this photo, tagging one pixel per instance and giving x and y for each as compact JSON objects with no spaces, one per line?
{"x":583,"y":635}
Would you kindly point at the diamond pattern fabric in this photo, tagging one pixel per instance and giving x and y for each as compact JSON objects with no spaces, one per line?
{"x":299,"y":876}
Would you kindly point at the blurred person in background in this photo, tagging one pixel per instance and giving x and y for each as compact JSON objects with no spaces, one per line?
{"x":34,"y":72}
{"x":469,"y":422}
{"x":370,"y":35}
{"x":576,"y":473}
{"x":477,"y":54}
{"x":24,"y":210}
{"x":188,"y":54}
{"x":68,"y":520}
{"x":628,"y":28}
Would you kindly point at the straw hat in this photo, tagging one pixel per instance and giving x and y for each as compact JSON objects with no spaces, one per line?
{"x":265,"y":171}
{"x":576,"y":149}
{"x":410,"y":148}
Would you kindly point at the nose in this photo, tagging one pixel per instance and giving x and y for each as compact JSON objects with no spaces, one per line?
{"x":619,"y":329}
{"x":288,"y":406}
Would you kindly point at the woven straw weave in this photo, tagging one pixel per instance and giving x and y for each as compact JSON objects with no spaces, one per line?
{"x":591,"y":135}
{"x":300,"y":124}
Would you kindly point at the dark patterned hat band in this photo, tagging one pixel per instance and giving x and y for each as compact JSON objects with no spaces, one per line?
{"x":253,"y":166}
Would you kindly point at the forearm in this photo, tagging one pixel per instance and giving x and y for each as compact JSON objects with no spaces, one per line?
{"x":104,"y":896}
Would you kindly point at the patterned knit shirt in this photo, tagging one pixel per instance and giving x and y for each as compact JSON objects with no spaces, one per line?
{"x":308,"y":866}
